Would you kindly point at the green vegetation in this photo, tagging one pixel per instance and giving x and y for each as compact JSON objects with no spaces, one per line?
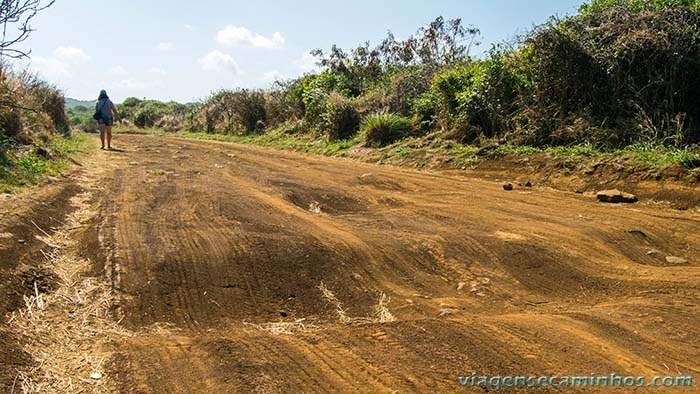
{"x":618,"y":77}
{"x":80,"y":117}
{"x":34,"y":130}
{"x":29,"y":164}
{"x":384,"y":128}
{"x":170,"y":116}
{"x":79,"y":105}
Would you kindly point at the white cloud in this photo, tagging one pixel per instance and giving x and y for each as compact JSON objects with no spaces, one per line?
{"x":272,"y":76}
{"x":71,"y":55}
{"x":157,"y":70}
{"x":136,"y":84}
{"x":188,"y":27}
{"x":306,"y":63}
{"x":49,"y":67}
{"x":131,"y":84}
{"x":61,"y":64}
{"x":118,"y":70}
{"x":219,"y":61}
{"x":165,"y":46}
{"x":240,"y":36}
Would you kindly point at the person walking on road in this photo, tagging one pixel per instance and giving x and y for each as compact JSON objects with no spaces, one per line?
{"x":105,"y":113}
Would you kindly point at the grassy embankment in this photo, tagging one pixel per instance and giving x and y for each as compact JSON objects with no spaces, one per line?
{"x":434,"y":151}
{"x":31,"y":165}
{"x":35,"y":138}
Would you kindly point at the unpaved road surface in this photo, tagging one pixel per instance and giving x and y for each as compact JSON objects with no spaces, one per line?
{"x":242,"y":269}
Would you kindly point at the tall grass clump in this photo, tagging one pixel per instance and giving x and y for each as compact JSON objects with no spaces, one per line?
{"x":384,"y":128}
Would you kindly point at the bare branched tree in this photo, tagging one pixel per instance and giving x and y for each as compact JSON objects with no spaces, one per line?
{"x":18,"y":13}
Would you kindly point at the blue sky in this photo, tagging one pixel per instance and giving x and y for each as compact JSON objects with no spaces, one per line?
{"x":184,"y":50}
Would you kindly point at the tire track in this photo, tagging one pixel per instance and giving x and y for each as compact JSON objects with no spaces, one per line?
{"x":218,"y":240}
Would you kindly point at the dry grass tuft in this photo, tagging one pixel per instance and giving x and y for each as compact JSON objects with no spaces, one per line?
{"x":285,"y":328}
{"x":332,"y":299}
{"x":381,"y":311}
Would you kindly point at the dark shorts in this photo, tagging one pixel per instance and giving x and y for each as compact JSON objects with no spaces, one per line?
{"x":106,"y":121}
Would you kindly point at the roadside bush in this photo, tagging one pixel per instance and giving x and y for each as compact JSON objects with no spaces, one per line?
{"x":384,"y":128}
{"x":627,"y":66}
{"x":425,"y":109}
{"x":236,"y":110}
{"x":147,"y":113}
{"x":146,"y":116}
{"x":88,"y":127}
{"x":284,"y":102}
{"x":128,"y":108}
{"x":489,"y":99}
{"x":48,"y":99}
{"x":171,"y":123}
{"x":222,"y":111}
{"x":371,"y":102}
{"x":406,"y":86}
{"x":207,"y":117}
{"x":10,"y":122}
{"x":340,"y":120}
{"x":30,"y":108}
{"x":618,"y":73}
{"x":316,"y":89}
{"x":448,"y":83}
{"x":249,"y":107}
{"x":472,"y":99}
{"x":31,"y":116}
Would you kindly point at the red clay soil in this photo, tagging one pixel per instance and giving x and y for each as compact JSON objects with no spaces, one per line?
{"x":22,"y":264}
{"x":208,"y":243}
{"x":674,"y":186}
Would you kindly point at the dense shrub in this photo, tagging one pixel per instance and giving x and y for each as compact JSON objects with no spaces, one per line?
{"x":384,"y":128}
{"x":315,"y":90}
{"x":32,"y":126}
{"x":425,"y":109}
{"x":171,"y":123}
{"x":10,"y":122}
{"x":626,"y":66}
{"x":30,"y":108}
{"x":148,"y":113}
{"x":241,"y":110}
{"x":47,"y":99}
{"x":146,"y":116}
{"x":284,"y":102}
{"x":489,"y":99}
{"x":250,"y":109}
{"x":340,"y":120}
{"x":406,"y":86}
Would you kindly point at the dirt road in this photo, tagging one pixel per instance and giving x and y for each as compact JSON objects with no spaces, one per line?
{"x":241,"y":269}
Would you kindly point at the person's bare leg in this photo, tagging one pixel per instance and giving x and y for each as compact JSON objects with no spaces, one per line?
{"x":102,"y":135}
{"x":108,"y":130}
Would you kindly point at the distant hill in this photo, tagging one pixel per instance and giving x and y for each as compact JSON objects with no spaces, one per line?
{"x":71,"y":103}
